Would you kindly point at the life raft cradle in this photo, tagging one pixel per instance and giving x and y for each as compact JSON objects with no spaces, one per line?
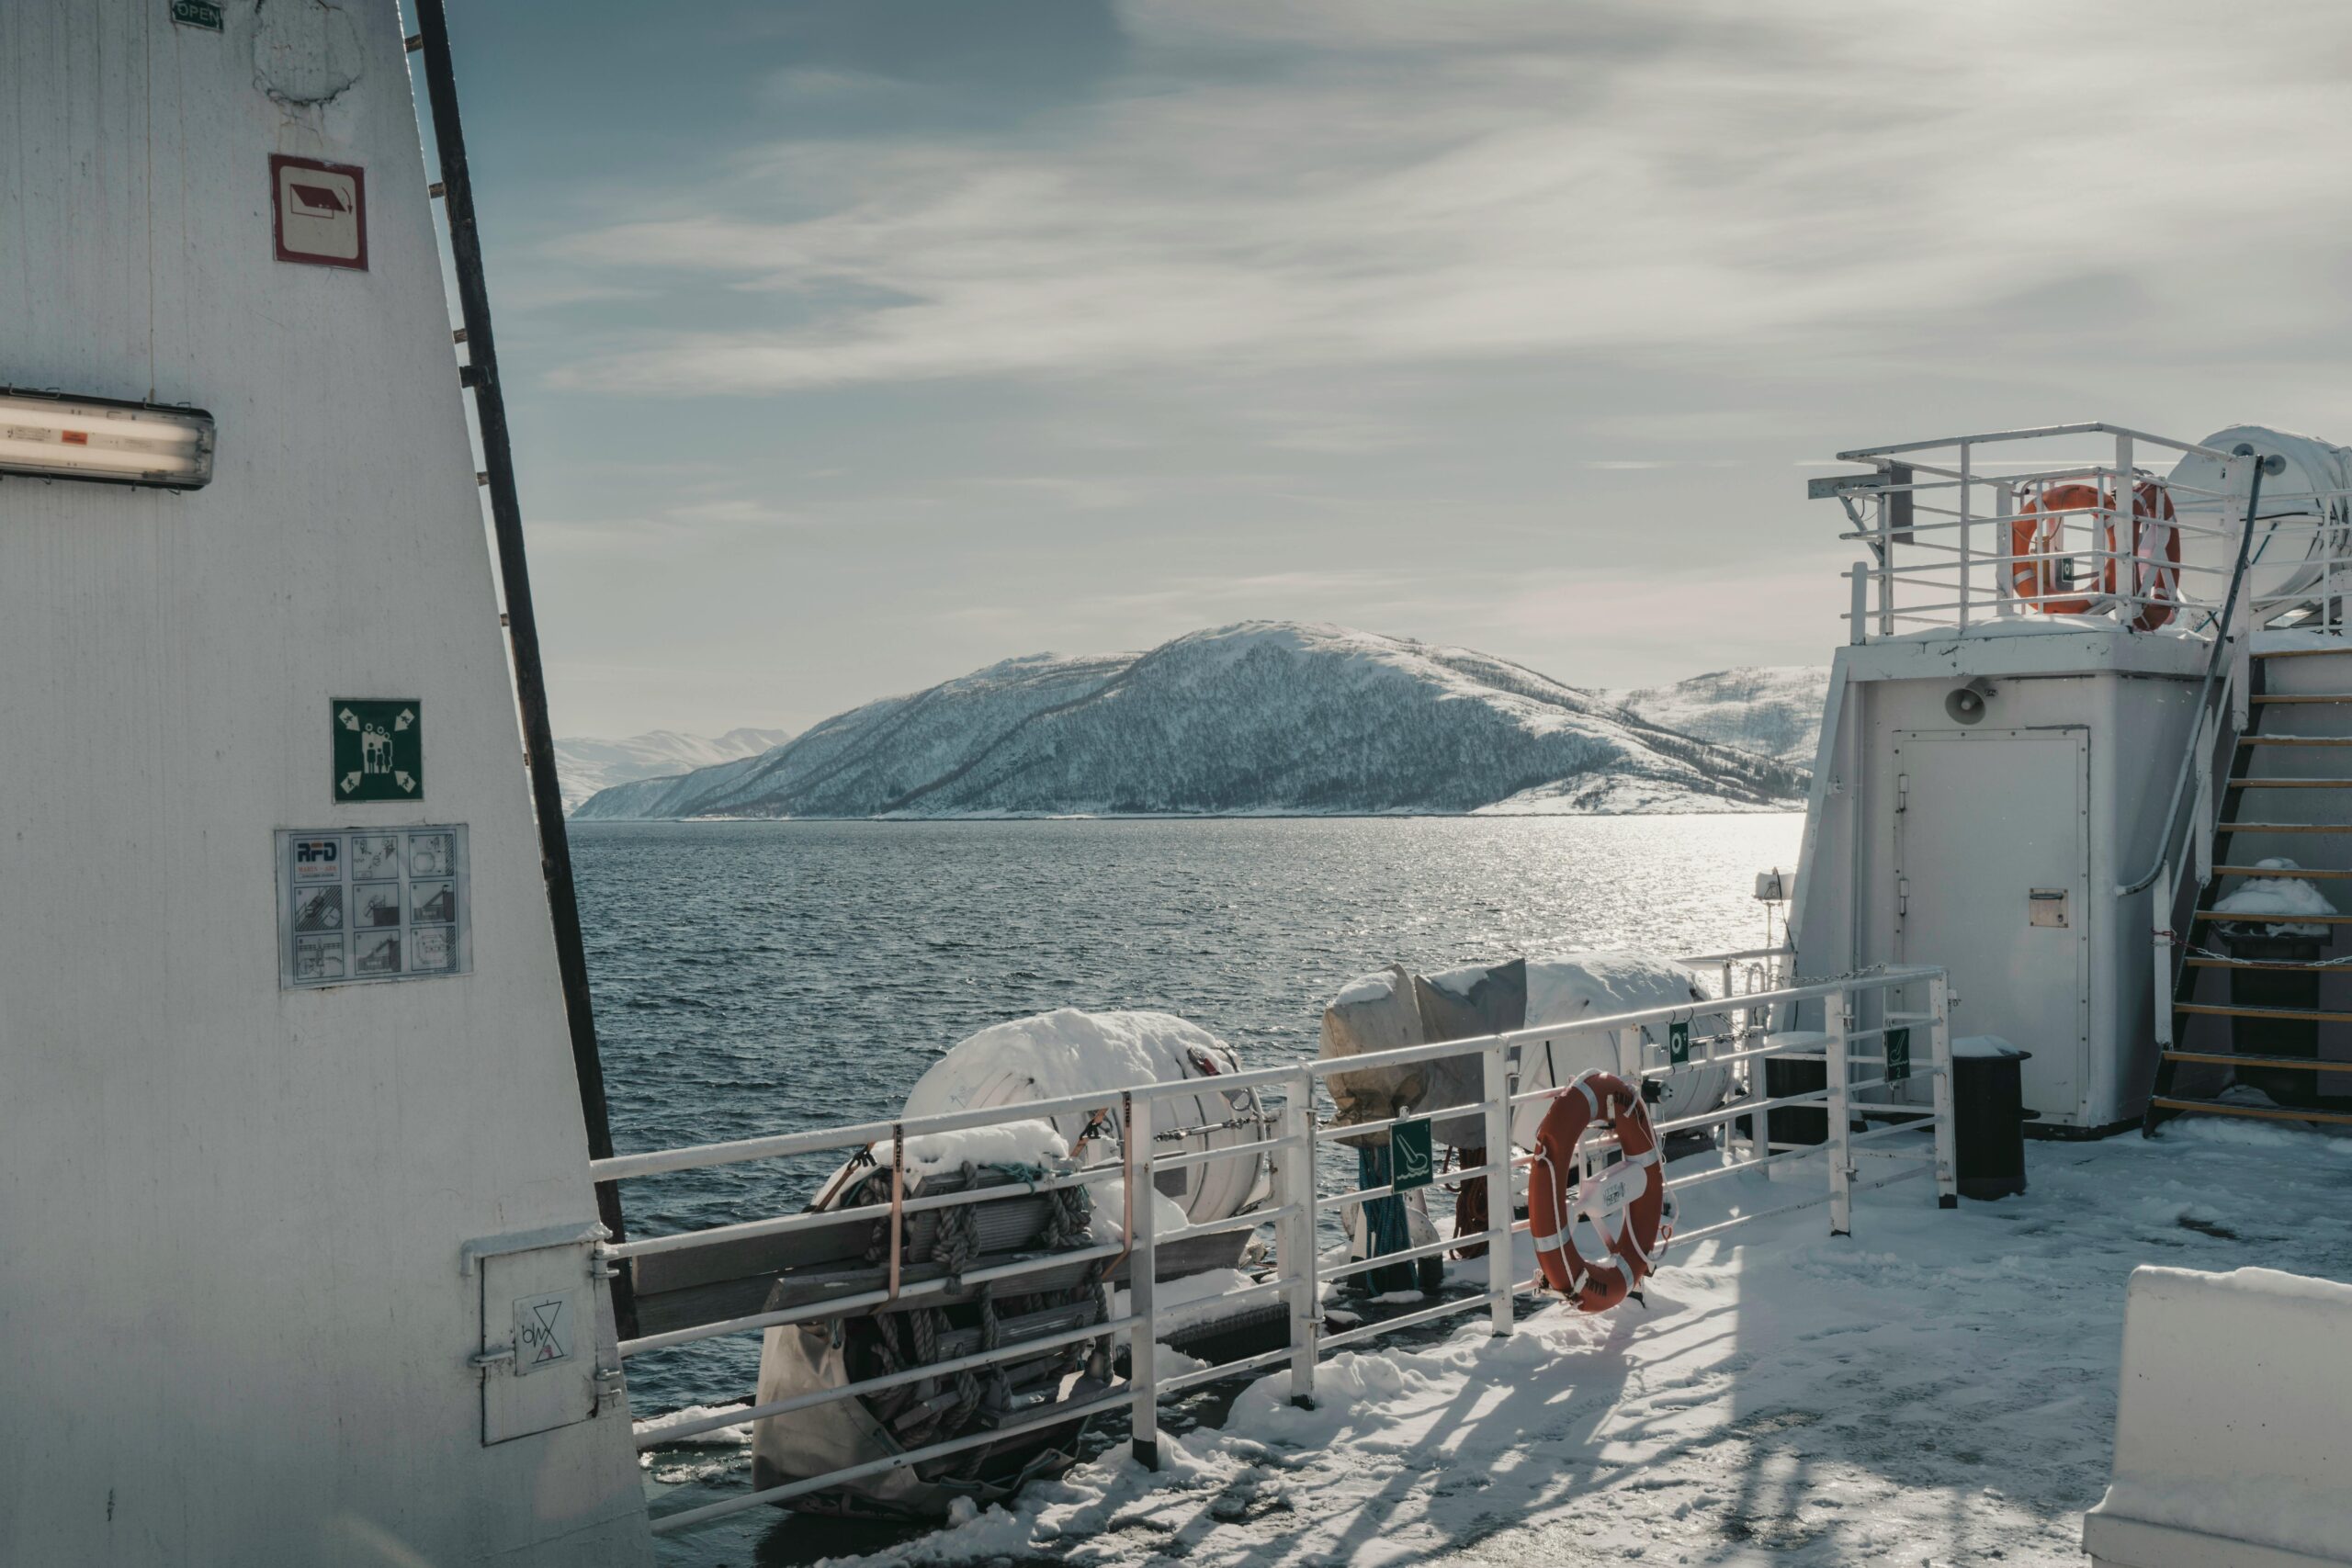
{"x":1646,"y":1218}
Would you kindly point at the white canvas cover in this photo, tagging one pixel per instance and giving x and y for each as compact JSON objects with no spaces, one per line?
{"x":1070,"y":1051}
{"x":1567,"y":986}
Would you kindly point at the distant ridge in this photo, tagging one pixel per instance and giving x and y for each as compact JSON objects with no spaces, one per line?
{"x":585,"y":766}
{"x":1267,"y":718}
{"x":1773,"y":710}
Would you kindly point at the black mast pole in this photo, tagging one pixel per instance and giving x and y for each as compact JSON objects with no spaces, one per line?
{"x":522,"y":625}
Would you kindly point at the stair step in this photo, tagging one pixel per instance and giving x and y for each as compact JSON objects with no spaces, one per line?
{"x":2242,"y":781}
{"x":2194,"y":962}
{"x":2298,"y":1015}
{"x":2268,"y":1113}
{"x":2307,"y":1064}
{"x":2210,"y":914}
{"x":2301,"y":652}
{"x":2297,"y":872}
{"x":2295,"y":739}
{"x":2304,"y":697}
{"x":2285,"y":827}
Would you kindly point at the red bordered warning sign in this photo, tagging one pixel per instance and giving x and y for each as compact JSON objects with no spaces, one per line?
{"x":320,"y":211}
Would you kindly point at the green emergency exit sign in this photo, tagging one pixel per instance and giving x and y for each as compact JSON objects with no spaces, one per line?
{"x":1412,"y":1159}
{"x":378,"y":749}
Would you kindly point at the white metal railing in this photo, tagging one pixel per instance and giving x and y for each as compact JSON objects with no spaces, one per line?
{"x":1298,"y":1202}
{"x":1959,"y":535}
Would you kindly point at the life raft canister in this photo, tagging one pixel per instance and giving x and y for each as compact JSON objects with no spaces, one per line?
{"x":2038,"y":529}
{"x":1597,"y":1284}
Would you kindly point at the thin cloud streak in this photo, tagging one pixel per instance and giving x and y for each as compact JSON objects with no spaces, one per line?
{"x":1484,"y":322}
{"x":1724,"y":183}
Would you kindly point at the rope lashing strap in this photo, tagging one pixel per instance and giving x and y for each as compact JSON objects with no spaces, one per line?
{"x":1557,"y":1239}
{"x":1648,"y":1263}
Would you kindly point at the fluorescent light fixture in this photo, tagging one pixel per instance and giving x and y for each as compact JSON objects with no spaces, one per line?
{"x":55,"y":438}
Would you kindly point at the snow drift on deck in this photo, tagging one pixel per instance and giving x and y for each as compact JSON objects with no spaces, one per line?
{"x":1937,"y":1389}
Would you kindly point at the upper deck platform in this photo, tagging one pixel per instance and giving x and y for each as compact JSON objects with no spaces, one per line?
{"x":2026,"y":532}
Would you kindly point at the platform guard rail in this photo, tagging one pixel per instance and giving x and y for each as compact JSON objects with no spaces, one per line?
{"x":1911,"y":1140}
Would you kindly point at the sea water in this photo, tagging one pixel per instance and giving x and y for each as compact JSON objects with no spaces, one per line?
{"x":754,"y":978}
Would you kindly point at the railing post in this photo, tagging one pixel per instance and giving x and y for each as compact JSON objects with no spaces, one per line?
{"x":2240,"y":675}
{"x":1759,"y":1120}
{"x":2164,"y":899}
{"x":1143,"y":1373}
{"x":1297,"y":1257}
{"x":2123,"y":536}
{"x":898,"y":1205}
{"x":2240,"y":630}
{"x":1885,"y":567}
{"x":2202,"y":822}
{"x":1939,"y":1061}
{"x":1967,"y":557}
{"x":1857,"y":631}
{"x":1835,"y":1014}
{"x":1501,"y":1264}
{"x":2005,"y":551}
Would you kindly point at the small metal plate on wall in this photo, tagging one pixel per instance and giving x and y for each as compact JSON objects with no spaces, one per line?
{"x":2046,"y":907}
{"x":388,"y":904}
{"x":536,"y":1360}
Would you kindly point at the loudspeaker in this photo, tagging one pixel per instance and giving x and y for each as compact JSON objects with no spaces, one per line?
{"x":1965,"y":704}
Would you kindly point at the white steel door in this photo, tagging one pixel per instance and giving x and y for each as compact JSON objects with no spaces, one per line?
{"x":1993,"y":882}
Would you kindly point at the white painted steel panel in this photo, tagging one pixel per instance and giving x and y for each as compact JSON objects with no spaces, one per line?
{"x":237,"y":1330}
{"x":2229,"y":1437}
{"x":1985,"y":821}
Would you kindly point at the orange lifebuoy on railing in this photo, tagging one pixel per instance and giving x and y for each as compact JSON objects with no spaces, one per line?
{"x":2038,"y":534}
{"x":2155,"y":556}
{"x":1632,"y":1254}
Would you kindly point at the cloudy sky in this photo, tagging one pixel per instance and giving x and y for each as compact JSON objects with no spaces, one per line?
{"x":856,"y":344}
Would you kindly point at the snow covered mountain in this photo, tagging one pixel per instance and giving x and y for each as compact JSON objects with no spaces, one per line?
{"x":1774,"y":711}
{"x":586,"y":766}
{"x":1265,"y":717}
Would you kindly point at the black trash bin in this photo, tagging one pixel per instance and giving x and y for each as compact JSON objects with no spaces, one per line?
{"x":1783,"y":1078}
{"x":1797,"y":1123}
{"x":2295,"y":989}
{"x":1988,"y":1116}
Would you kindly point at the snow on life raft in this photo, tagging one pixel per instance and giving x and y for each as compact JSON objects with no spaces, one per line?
{"x":1051,"y":1055}
{"x":1394,"y":1007}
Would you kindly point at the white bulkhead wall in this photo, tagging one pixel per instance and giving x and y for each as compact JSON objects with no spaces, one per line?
{"x":234,"y":1325}
{"x":2130,"y":694}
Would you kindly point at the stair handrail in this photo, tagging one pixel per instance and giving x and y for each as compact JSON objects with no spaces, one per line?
{"x":2188,"y":758}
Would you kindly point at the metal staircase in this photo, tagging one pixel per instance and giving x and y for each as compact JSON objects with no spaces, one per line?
{"x":2280,"y":794}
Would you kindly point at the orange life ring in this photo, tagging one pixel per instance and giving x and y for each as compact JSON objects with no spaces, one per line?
{"x":2155,"y":556}
{"x":2039,"y":530}
{"x":1596,"y":1284}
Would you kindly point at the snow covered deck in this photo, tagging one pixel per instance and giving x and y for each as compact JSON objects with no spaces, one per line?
{"x":1938,"y":1389}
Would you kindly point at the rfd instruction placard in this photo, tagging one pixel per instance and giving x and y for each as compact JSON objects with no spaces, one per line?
{"x":373,"y":904}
